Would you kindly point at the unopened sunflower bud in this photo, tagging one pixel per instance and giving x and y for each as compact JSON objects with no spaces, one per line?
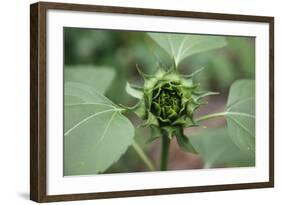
{"x":167,"y":103}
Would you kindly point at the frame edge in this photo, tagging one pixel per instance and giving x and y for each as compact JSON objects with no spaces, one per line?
{"x":154,"y":12}
{"x":34,"y":187}
{"x":271,"y":102}
{"x":37,"y":103}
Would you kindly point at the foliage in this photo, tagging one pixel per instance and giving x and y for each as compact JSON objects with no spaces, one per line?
{"x":96,"y":134}
{"x":180,"y":46}
{"x":240,"y":114}
{"x":225,"y":65}
{"x":217,"y":149}
{"x":98,"y":131}
{"x":99,"y":78}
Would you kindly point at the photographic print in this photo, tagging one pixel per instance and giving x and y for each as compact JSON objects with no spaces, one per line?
{"x":148,"y":101}
{"x":136,"y":102}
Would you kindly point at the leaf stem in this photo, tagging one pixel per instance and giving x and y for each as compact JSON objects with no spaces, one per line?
{"x":143,"y":156}
{"x":164,"y":153}
{"x":207,"y":117}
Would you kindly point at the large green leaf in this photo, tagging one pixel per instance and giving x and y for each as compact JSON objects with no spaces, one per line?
{"x":240,"y":114}
{"x":96,"y":134}
{"x":217,"y":150}
{"x":180,"y":46}
{"x":82,"y":93}
{"x":99,"y":78}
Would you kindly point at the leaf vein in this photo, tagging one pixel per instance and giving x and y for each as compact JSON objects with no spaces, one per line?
{"x":242,"y":126}
{"x":238,"y":102}
{"x":88,"y":118}
{"x":106,"y":128}
{"x":89,"y":103}
{"x":240,"y":114}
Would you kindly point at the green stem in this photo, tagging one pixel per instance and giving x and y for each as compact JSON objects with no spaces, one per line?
{"x":207,"y":117}
{"x":143,"y":156}
{"x":164,"y":153}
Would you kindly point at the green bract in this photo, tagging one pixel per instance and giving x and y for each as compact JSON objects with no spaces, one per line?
{"x":167,"y":103}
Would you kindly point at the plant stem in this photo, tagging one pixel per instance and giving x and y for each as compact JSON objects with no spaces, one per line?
{"x":164,"y":153}
{"x":143,"y":156}
{"x":206,"y":117}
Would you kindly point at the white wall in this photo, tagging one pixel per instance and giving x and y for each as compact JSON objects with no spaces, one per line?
{"x":14,"y":101}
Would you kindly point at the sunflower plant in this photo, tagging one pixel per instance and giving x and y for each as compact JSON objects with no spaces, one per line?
{"x":97,"y":133}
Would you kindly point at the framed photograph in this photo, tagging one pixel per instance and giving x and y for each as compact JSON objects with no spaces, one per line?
{"x":135,"y":102}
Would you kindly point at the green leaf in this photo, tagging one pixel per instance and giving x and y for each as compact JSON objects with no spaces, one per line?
{"x":184,"y":142}
{"x":81,"y":93}
{"x":240,"y":114}
{"x":245,"y":56}
{"x":217,"y":150}
{"x":96,"y":134}
{"x":180,"y":46}
{"x":99,"y":78}
{"x":134,"y":91}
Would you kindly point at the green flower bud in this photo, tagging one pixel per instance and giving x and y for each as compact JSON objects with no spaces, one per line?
{"x":168,"y":102}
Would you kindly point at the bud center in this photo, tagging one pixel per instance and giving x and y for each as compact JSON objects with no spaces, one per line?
{"x":166,"y":102}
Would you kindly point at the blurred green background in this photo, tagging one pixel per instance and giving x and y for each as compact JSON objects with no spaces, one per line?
{"x":122,"y":50}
